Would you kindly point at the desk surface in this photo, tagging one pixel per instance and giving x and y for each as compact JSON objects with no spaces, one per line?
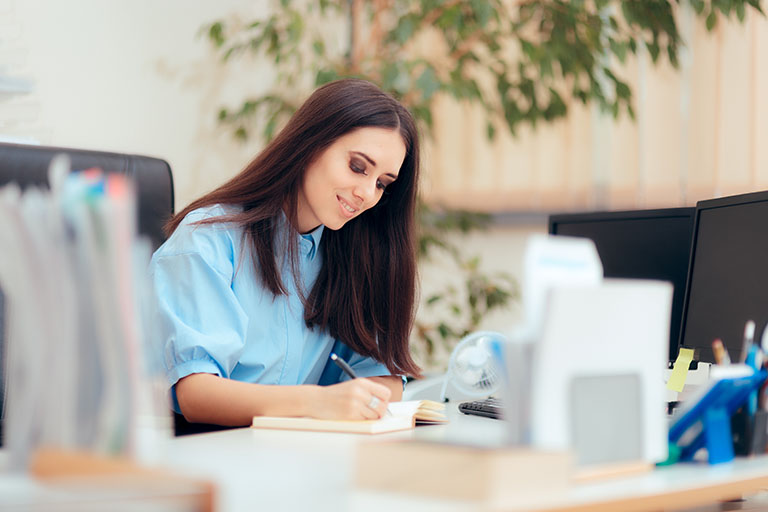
{"x":266,"y":469}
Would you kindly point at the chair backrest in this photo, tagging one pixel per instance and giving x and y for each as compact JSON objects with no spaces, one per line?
{"x":27,"y":165}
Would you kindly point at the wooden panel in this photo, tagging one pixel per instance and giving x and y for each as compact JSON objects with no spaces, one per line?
{"x":624,"y":162}
{"x":735,"y":105}
{"x":661,"y":126}
{"x":759,"y":113}
{"x":576,"y":148}
{"x":518,"y":168}
{"x":700,"y":132}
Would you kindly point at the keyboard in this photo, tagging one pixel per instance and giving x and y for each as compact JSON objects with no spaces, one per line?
{"x":490,"y":407}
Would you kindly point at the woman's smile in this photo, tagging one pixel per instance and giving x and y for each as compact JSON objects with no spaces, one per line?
{"x":346,"y":210}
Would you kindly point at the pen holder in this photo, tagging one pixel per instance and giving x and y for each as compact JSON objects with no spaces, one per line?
{"x":759,"y":438}
{"x":749,"y":432}
{"x":741,"y":431}
{"x":716,"y":412}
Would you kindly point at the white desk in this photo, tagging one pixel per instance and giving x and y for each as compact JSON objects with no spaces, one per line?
{"x":293,"y":470}
{"x":266,"y":470}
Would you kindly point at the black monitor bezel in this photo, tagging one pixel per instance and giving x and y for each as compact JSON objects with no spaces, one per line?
{"x":710,"y":204}
{"x":613,"y":215}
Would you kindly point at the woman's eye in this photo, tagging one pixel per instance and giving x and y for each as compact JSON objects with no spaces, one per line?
{"x":357,"y":166}
{"x":380,"y":185}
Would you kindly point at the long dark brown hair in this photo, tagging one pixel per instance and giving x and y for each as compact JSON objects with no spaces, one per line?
{"x":365,"y":292}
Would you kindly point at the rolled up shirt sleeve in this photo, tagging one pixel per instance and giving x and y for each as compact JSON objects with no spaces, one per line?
{"x":200,"y":320}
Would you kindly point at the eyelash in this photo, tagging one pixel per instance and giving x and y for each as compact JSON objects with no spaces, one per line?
{"x":361,"y":169}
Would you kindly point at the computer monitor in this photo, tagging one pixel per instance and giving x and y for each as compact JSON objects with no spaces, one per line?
{"x":728,"y":274}
{"x":639,"y":244}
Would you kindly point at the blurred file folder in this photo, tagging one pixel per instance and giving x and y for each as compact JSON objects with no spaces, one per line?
{"x":598,"y":376}
{"x":555,"y":261}
{"x":80,"y":375}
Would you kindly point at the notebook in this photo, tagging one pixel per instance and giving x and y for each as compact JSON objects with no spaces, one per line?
{"x":405,"y":415}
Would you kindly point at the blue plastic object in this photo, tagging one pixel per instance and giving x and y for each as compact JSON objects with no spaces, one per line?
{"x":712,"y":415}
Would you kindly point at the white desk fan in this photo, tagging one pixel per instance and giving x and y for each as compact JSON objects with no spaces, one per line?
{"x":474,"y":368}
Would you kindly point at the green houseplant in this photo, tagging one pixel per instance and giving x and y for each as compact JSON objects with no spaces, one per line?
{"x":519,"y":61}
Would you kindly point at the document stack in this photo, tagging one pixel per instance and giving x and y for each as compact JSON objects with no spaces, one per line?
{"x":81,"y":375}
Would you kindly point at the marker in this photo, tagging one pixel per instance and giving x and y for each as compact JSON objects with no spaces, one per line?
{"x":749,"y":338}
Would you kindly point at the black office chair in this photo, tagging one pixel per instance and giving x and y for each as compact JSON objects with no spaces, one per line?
{"x":27,"y":165}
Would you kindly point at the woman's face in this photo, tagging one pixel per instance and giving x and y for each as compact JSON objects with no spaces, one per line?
{"x":349,"y":177}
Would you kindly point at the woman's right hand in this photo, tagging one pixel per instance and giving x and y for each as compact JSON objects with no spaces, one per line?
{"x":352,"y":400}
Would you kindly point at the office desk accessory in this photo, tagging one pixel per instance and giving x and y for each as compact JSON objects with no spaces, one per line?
{"x":551,"y":261}
{"x":448,"y":386}
{"x":694,"y":378}
{"x":516,"y":395}
{"x":73,"y":275}
{"x":490,"y":407}
{"x":474,"y":368}
{"x":341,"y":363}
{"x":28,"y":166}
{"x":598,"y":373}
{"x":491,"y":475}
{"x":404,"y":416}
{"x":705,"y":421}
{"x":680,"y":368}
{"x":720,"y":354}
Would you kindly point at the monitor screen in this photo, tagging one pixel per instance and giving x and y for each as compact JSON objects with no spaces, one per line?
{"x":728,"y":280}
{"x":639,"y":244}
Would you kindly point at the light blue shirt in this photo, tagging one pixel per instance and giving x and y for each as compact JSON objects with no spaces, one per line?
{"x":215,"y":316}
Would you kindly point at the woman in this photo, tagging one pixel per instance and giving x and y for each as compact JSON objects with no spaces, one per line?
{"x":309,"y":250}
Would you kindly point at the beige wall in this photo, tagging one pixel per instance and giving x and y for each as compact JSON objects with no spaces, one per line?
{"x":128,"y":76}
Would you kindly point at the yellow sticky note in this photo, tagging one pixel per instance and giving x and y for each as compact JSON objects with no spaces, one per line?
{"x":680,"y":369}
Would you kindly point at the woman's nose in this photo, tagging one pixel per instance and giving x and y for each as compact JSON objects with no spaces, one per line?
{"x":367,"y":192}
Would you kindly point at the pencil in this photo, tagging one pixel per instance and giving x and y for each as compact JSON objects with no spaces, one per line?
{"x":721,"y":355}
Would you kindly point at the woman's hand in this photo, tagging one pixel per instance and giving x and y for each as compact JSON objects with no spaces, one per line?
{"x":356,"y":399}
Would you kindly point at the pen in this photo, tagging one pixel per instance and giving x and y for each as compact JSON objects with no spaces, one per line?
{"x":764,"y":343}
{"x":749,"y":336}
{"x":341,"y":363}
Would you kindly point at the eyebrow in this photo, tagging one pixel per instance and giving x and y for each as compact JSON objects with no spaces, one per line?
{"x":371,"y":161}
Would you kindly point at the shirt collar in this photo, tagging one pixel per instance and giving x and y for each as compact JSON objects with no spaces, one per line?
{"x":310,"y":241}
